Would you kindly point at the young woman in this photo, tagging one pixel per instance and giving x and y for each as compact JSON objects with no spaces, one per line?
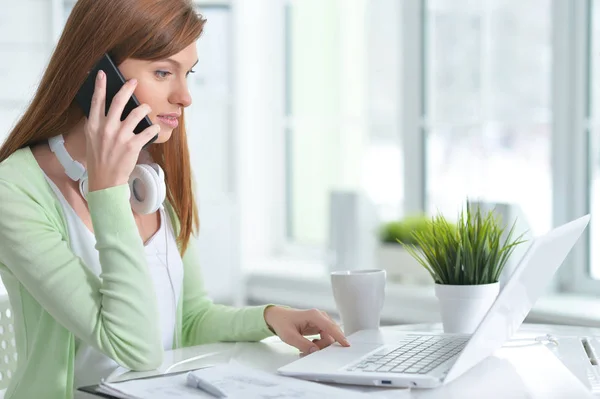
{"x":98,"y":272}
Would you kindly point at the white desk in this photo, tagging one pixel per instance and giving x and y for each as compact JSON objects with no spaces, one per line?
{"x":272,"y":353}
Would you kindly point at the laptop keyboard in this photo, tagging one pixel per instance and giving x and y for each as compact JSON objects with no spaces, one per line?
{"x":416,"y":355}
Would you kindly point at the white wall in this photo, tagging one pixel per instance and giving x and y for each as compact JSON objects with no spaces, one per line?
{"x":210,"y":138}
{"x":258,"y":81}
{"x":25,"y":45}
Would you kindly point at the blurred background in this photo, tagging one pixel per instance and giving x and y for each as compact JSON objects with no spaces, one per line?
{"x":316,"y":122}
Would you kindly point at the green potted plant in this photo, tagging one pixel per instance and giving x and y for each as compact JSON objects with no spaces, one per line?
{"x":392,"y":256}
{"x":465,"y":261}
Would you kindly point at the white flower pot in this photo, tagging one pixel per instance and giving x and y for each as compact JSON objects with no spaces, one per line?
{"x":463,"y":307}
{"x":400,"y":266}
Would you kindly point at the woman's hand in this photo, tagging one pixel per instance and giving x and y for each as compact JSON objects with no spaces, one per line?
{"x":112,"y":148}
{"x":292,"y":324}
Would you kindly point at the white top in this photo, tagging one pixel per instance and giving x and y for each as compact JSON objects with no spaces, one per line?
{"x":166,"y":268}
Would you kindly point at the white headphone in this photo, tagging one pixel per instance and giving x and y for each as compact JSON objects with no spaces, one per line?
{"x":147,"y":188}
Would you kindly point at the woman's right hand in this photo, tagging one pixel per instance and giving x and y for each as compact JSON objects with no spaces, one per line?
{"x":112,"y":147}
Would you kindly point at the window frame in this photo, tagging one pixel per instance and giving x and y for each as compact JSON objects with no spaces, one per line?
{"x":571,"y":36}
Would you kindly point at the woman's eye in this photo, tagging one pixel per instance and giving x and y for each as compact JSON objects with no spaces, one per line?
{"x":162,"y":74}
{"x":190,"y":71}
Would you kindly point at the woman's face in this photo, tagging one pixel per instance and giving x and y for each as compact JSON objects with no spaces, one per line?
{"x":163,"y":86}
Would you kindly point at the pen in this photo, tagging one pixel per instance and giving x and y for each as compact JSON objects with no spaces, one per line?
{"x":589,"y":350}
{"x":195,"y":382}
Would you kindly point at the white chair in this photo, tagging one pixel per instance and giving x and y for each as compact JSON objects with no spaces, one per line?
{"x":8,"y":348}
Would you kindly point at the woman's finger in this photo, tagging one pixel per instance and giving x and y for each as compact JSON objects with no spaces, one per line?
{"x":98,"y":105}
{"x":118,"y":103}
{"x":324,"y":313}
{"x":297,"y":340}
{"x":134,"y":117}
{"x":324,"y":341}
{"x":329,"y":327}
{"x":142,"y":138}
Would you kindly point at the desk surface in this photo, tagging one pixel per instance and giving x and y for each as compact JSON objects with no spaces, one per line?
{"x":272,"y":353}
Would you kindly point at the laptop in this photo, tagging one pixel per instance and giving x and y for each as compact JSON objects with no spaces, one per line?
{"x":429,"y":360}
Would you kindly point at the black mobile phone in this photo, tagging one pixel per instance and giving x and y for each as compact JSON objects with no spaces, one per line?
{"x":114,"y":82}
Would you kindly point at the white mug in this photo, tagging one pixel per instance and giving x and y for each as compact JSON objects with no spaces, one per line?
{"x":359,"y":297}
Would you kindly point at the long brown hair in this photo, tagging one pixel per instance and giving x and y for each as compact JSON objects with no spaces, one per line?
{"x":141,"y":29}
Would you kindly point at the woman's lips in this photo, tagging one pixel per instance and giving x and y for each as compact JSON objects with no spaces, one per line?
{"x":171,"y":121}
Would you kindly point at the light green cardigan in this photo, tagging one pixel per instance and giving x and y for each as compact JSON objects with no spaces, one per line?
{"x":57,"y":301}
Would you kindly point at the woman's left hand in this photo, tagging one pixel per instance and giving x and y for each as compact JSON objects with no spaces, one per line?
{"x":291,"y":325}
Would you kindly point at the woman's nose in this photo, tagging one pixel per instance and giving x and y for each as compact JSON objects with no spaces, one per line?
{"x":182,"y":96}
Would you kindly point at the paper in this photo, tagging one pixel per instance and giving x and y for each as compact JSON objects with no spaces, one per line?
{"x":238,"y":381}
{"x":235,"y":380}
{"x":162,"y":387}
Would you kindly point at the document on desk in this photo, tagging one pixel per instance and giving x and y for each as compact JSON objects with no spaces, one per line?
{"x":233,"y":380}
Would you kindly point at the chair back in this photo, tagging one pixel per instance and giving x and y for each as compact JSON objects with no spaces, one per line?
{"x":8,"y":347}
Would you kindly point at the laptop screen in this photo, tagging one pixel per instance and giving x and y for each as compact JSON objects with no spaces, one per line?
{"x":528,"y":282}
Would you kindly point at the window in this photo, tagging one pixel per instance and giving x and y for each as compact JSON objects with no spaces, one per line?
{"x":593,"y":129}
{"x":488,"y":106}
{"x":491,"y":100}
{"x":24,"y":50}
{"x":576,"y":118}
{"x":342,"y":101}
